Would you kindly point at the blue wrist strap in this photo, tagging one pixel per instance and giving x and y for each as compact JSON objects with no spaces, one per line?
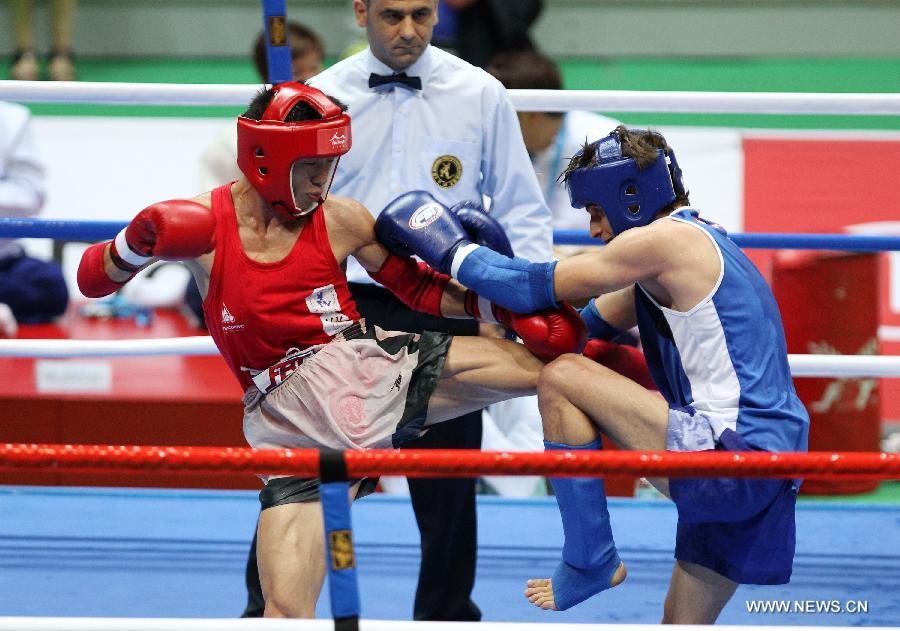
{"x":597,"y":327}
{"x":515,"y":283}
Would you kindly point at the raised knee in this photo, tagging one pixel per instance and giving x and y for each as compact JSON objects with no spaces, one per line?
{"x":561,"y":418}
{"x":557,"y":374}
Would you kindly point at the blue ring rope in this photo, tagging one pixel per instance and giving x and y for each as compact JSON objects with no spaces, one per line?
{"x":771,"y":241}
{"x":59,"y":229}
{"x":71,"y":230}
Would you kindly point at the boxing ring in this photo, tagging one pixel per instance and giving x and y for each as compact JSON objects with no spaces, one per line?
{"x":111,"y":559}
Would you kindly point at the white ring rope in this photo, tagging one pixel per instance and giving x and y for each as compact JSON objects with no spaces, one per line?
{"x":801,"y":365}
{"x":249,"y":624}
{"x":196,"y":345}
{"x":862,"y":104}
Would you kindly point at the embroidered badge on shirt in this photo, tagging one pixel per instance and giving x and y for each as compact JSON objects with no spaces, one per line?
{"x":325,"y":302}
{"x":446,"y":171}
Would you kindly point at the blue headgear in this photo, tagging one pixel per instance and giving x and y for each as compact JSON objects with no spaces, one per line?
{"x":630,"y":196}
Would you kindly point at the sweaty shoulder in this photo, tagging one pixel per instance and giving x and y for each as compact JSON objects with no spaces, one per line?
{"x":686,"y":245}
{"x":347,"y":217}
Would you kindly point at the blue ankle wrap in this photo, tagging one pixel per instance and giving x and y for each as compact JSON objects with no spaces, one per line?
{"x":589,"y":557}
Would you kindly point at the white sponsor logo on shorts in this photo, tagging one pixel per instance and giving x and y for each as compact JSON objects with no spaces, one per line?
{"x":425,"y":215}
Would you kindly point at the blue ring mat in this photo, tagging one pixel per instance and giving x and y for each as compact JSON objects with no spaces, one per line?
{"x":100,"y":552}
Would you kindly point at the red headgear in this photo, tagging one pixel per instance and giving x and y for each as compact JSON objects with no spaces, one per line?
{"x":268,"y":148}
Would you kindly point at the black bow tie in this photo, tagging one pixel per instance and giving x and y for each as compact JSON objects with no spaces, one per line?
{"x":376,"y":80}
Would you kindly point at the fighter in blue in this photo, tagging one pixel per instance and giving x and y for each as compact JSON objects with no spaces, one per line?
{"x":714,"y":343}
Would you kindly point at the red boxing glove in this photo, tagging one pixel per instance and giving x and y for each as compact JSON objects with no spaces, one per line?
{"x":173,"y":230}
{"x":93,"y":281}
{"x":548,"y":333}
{"x":623,"y":359}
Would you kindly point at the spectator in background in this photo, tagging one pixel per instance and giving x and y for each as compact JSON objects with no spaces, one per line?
{"x":424,"y":119}
{"x":550,"y":137}
{"x":485,"y":28}
{"x":60,"y":64}
{"x":31,"y":290}
{"x":219,"y":161}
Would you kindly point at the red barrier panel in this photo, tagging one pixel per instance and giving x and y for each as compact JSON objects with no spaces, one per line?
{"x":829,"y":304}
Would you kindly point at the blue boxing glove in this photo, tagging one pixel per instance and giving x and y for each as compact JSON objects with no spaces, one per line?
{"x":416,"y":223}
{"x":482,"y":228}
{"x":506,"y":277}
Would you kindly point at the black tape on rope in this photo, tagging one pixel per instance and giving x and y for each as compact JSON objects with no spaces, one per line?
{"x":332,"y":465}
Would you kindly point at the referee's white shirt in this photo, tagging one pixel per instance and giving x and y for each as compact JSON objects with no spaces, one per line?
{"x":405,"y":139}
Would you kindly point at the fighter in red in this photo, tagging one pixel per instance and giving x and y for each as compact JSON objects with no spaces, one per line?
{"x":267,"y":251}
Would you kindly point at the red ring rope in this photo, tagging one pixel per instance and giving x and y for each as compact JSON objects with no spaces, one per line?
{"x":450,"y":463}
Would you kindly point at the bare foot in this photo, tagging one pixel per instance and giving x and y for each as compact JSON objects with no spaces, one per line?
{"x":539,"y":591}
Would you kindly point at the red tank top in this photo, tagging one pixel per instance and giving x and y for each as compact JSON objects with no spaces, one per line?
{"x":256,"y":312}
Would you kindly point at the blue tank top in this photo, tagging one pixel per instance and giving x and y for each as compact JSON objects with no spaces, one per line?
{"x":727,"y":356}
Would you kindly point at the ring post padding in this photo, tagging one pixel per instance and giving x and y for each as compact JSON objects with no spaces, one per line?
{"x":340,"y":557}
{"x":278,"y":51}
